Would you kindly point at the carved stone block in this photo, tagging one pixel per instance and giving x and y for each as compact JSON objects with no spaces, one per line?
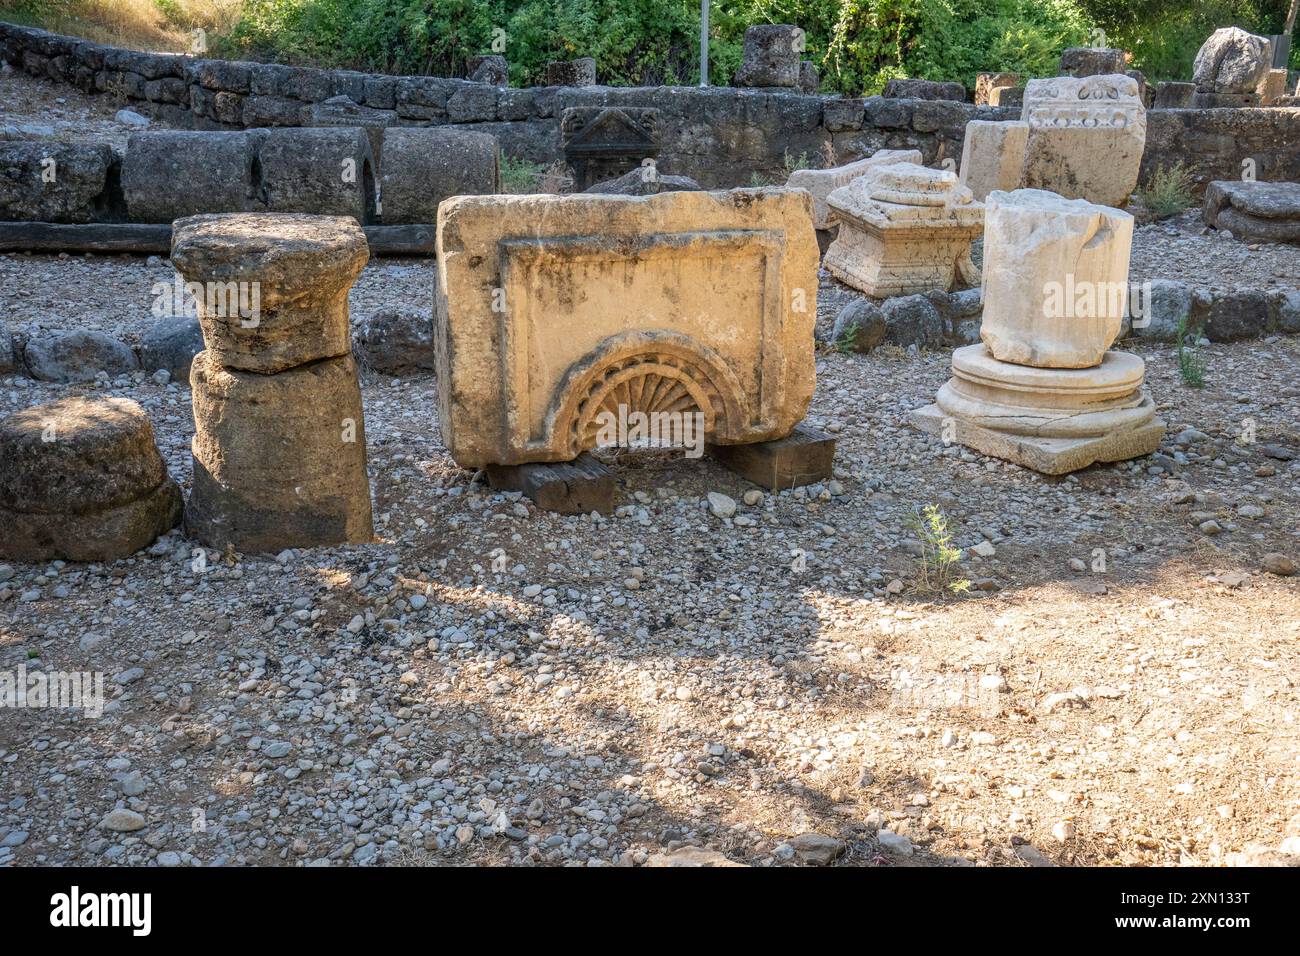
{"x":602,"y":143}
{"x":552,"y":310}
{"x":1085,"y":137}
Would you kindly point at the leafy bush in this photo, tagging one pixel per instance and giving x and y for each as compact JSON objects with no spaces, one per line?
{"x":858,"y":44}
{"x":1168,"y":192}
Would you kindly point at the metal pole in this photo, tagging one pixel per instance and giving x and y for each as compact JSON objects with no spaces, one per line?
{"x":704,"y":42}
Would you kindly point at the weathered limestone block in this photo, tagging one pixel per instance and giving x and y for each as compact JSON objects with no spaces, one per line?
{"x":1232,"y":61}
{"x":903,"y":228}
{"x":169,"y":174}
{"x":1085,"y":137}
{"x":809,"y":77}
{"x":551,"y":310}
{"x":1203,"y":100}
{"x":986,"y":83}
{"x":1051,"y":420}
{"x":924,"y":90}
{"x":1042,"y":389}
{"x":53,"y":182}
{"x":492,"y":69}
{"x":327,"y":172}
{"x":645,"y":181}
{"x":1081,"y":61}
{"x":1174,"y":96}
{"x":993,"y":156}
{"x":822,"y":182}
{"x":429,"y":164}
{"x":277,"y":284}
{"x":279,"y":460}
{"x":82,"y":480}
{"x":1254,"y":212}
{"x":579,"y":72}
{"x":343,"y":111}
{"x":1055,"y":278}
{"x":1273,"y":87}
{"x":771,"y":55}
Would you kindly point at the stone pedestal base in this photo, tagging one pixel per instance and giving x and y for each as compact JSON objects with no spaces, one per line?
{"x":803,"y":457}
{"x":899,"y":262}
{"x":1051,"y":420}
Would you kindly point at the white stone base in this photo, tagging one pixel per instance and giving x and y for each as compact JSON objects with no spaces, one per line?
{"x":1048,"y":419}
{"x":1050,"y":456}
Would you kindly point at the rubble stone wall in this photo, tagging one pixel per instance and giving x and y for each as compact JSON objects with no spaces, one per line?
{"x":719,"y":136}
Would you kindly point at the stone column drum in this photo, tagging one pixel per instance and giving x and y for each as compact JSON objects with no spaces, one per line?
{"x":279,"y":447}
{"x":1043,"y":390}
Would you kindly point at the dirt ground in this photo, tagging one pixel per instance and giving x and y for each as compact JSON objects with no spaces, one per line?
{"x":488,"y":683}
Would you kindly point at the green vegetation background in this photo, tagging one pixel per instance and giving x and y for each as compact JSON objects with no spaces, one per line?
{"x":858,"y":44}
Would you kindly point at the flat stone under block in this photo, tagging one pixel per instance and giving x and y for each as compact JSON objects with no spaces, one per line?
{"x":803,"y":457}
{"x":575,"y":487}
{"x":1050,"y":456}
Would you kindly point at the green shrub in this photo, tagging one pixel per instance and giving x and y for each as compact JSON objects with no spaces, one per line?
{"x":1192,"y":362}
{"x":519,"y":175}
{"x":1168,"y":192}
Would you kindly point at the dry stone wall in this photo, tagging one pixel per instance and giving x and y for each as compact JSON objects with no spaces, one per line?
{"x":717,"y":136}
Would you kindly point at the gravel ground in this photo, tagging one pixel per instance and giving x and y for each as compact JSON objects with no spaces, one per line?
{"x":488,"y":683}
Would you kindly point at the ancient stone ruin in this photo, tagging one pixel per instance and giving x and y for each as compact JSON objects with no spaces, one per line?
{"x":553,"y":312}
{"x":81,"y":480}
{"x":903,"y":228}
{"x":1043,"y":389}
{"x":280,"y":448}
{"x":1085,"y":137}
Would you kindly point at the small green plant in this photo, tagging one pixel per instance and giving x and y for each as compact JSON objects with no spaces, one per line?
{"x":939,"y":569}
{"x":844,"y":344}
{"x":1191,"y":360}
{"x":518,"y":175}
{"x":791,"y":163}
{"x":1168,"y":192}
{"x":758,"y":181}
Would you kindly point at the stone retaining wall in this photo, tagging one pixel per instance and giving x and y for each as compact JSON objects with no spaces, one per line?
{"x":719,"y":136}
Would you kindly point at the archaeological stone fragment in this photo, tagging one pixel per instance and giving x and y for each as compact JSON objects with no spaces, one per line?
{"x":993,"y":156}
{"x":903,"y":228}
{"x":81,"y":479}
{"x":169,"y":174}
{"x":328,"y":172}
{"x":279,"y":460}
{"x":273,"y":287}
{"x":552,"y":310}
{"x":429,"y":164}
{"x":822,"y":182}
{"x":771,"y":55}
{"x":1043,"y":389}
{"x":1086,"y":137}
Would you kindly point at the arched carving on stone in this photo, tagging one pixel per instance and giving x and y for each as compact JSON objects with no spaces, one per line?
{"x":645,"y":372}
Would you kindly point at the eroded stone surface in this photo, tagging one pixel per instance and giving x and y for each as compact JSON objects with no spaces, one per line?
{"x":993,"y":156}
{"x":903,"y":228}
{"x":279,"y":460}
{"x":279,"y":284}
{"x":1231,"y":61}
{"x":425,"y":165}
{"x":1086,"y":137}
{"x":551,"y":309}
{"x":1268,"y":212}
{"x":771,"y":55}
{"x":81,"y":479}
{"x":1055,"y":278}
{"x":822,"y":182}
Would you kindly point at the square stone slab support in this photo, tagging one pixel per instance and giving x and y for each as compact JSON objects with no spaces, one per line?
{"x":575,"y":487}
{"x":803,"y":457}
{"x":1049,"y":456}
